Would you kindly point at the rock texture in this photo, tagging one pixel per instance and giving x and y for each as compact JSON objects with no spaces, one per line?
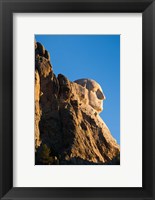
{"x":94,"y":95}
{"x":68,"y":130}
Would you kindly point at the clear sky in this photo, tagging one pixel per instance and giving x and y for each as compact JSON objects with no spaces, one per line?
{"x":95,"y":57}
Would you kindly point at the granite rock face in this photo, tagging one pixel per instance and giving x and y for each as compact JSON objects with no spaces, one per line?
{"x":95,"y":94}
{"x":68,"y":129}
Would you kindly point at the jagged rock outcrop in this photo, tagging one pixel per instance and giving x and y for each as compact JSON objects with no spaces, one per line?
{"x":68,"y":130}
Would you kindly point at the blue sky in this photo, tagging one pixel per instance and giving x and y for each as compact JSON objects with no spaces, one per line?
{"x":90,"y":56}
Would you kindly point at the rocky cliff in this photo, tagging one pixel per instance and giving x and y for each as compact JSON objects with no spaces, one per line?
{"x":68,"y":129}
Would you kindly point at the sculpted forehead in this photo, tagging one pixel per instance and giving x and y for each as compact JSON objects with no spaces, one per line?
{"x":89,"y":84}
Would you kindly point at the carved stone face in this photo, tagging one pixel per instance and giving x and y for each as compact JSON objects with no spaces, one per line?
{"x":95,"y":93}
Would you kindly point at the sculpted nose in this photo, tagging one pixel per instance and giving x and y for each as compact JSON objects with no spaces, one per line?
{"x":104,"y":97}
{"x":100,"y":95}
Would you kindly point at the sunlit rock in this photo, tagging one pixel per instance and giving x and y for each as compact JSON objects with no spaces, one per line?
{"x":95,"y":93}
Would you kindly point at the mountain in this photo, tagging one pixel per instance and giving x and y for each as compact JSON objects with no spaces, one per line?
{"x":68,"y":128}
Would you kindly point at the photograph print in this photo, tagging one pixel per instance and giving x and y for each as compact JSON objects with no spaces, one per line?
{"x":77,"y":99}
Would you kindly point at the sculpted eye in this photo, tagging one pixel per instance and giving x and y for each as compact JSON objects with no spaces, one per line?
{"x":100,"y":94}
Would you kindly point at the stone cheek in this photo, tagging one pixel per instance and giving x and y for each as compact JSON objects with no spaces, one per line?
{"x":94,"y":102}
